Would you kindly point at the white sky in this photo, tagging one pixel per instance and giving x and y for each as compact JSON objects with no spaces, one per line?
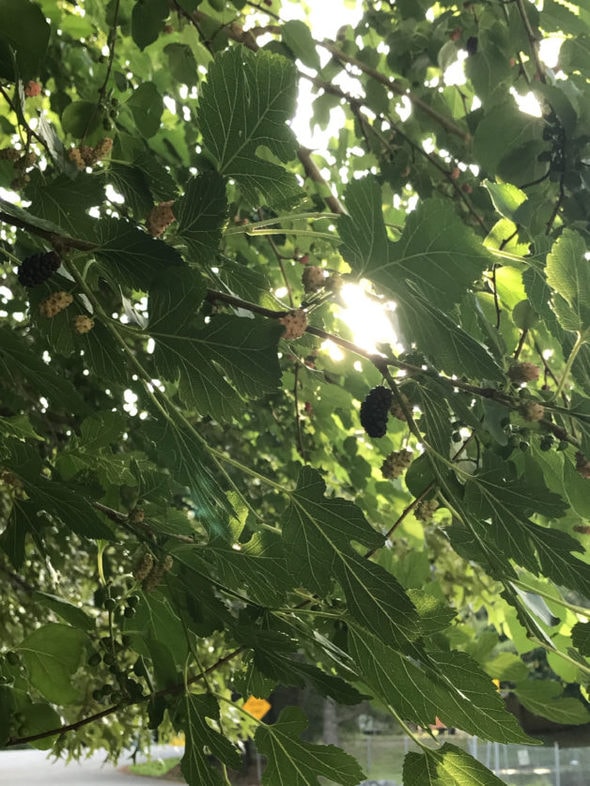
{"x":326,"y":18}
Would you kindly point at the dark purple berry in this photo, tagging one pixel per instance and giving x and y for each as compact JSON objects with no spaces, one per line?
{"x":38,"y":268}
{"x":375,"y":411}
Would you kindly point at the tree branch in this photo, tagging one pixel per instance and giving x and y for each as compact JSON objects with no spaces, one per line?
{"x":533,"y":40}
{"x":392,"y":85}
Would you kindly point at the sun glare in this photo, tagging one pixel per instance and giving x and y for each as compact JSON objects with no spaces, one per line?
{"x":369,"y":321}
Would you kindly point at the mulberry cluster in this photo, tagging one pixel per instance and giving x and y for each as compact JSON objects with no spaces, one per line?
{"x":83,"y":324}
{"x":9,"y":154}
{"x":523,"y":372}
{"x":11,"y":489}
{"x":156,"y":574}
{"x":533,"y":411}
{"x":55,"y":303}
{"x":159,"y":218}
{"x":150,"y":571}
{"x":375,"y":410}
{"x":84,"y":155}
{"x":396,"y":464}
{"x":312,"y":279}
{"x":582,"y":465}
{"x":143,"y":566}
{"x":295,"y":324}
{"x":38,"y":268}
{"x":32,"y":89}
{"x":425,"y":510}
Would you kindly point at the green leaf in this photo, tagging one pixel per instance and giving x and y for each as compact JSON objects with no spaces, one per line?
{"x":245,"y":351}
{"x":24,"y":216}
{"x":507,"y":501}
{"x":102,"y":429}
{"x":581,"y":637}
{"x":568,"y":273}
{"x":38,"y":718}
{"x":441,"y":339}
{"x":157,"y":619}
{"x":18,"y":363}
{"x":297,"y":37}
{"x":18,"y":426}
{"x":132,"y":183}
{"x":203,"y":741}
{"x":445,"y":685}
{"x":244,"y":105}
{"x":70,"y":613}
{"x":490,"y":65}
{"x":448,"y":766}
{"x":80,"y":118}
{"x":426,"y":272}
{"x":66,"y":202}
{"x":437,"y":255}
{"x":182,"y":63}
{"x":290,"y":760}
{"x":66,"y":505}
{"x":103,"y":355}
{"x":24,"y":32}
{"x":269,"y":660}
{"x":179,"y":449}
{"x":317,"y":532}
{"x":146,"y":107}
{"x":130,"y":257}
{"x":574,"y":55}
{"x":201,"y":213}
{"x":7,"y":707}
{"x":52,"y":655}
{"x":545,"y":698}
{"x":503,"y":130}
{"x":506,"y":197}
{"x":176,"y":296}
{"x":260,"y":565}
{"x":363,"y":232}
{"x":147,"y":18}
{"x":580,"y":410}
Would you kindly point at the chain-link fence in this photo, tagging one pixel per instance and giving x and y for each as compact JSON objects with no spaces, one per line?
{"x":381,"y":755}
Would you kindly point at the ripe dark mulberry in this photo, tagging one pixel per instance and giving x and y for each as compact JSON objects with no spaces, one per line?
{"x":374,"y":411}
{"x":38,"y":268}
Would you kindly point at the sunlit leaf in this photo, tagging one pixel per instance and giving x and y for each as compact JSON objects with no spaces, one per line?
{"x":298,"y":763}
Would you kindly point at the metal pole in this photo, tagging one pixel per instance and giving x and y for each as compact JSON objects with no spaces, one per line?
{"x":556,"y":763}
{"x":496,"y":758}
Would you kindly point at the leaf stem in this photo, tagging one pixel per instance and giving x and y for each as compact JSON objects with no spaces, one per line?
{"x":269,"y":222}
{"x":580,"y":341}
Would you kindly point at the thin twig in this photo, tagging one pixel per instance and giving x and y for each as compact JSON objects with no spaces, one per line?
{"x":533,"y":40}
{"x":390,"y":83}
{"x":172,"y":690}
{"x":17,"y":109}
{"x":520,"y":344}
{"x":299,"y":430}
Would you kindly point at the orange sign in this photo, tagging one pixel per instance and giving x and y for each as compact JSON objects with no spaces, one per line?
{"x":257,"y":707}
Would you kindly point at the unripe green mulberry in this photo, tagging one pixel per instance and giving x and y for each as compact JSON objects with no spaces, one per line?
{"x":396,"y":464}
{"x":312,"y":279}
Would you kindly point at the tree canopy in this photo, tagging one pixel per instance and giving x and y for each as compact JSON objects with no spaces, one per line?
{"x":209,"y":484}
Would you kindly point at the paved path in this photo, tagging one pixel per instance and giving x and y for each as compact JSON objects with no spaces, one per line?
{"x":31,"y":767}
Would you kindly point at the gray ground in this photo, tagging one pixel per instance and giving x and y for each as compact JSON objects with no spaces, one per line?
{"x":30,"y":767}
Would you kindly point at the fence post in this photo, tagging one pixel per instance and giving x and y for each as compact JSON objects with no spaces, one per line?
{"x":556,"y":763}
